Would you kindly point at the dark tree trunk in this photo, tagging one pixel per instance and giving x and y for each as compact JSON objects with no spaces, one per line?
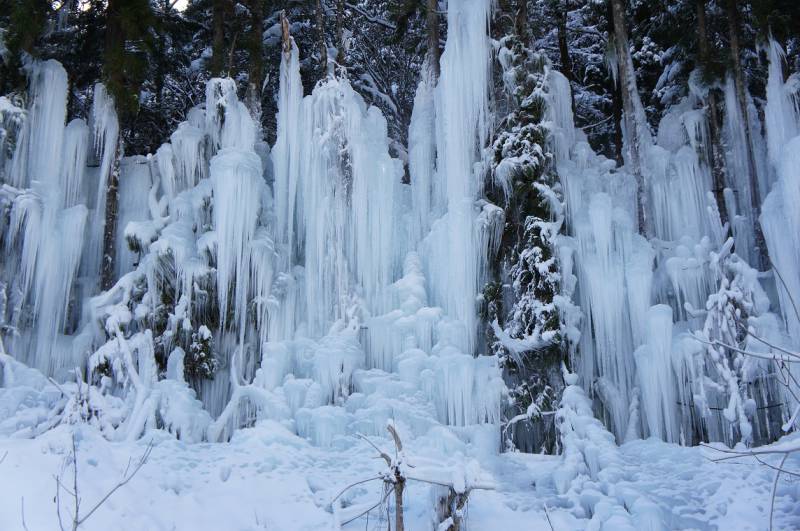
{"x":634,"y":129}
{"x":108,"y":263}
{"x":218,"y":37}
{"x":521,"y":21}
{"x":114,"y":50}
{"x":717,"y":157}
{"x":433,"y":37}
{"x":323,"y":49}
{"x":399,"y":486}
{"x":255,"y":60}
{"x":340,"y":32}
{"x":563,"y":48}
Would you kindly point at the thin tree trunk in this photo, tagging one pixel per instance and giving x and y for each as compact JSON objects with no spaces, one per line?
{"x":323,"y":50}
{"x":716,"y":152}
{"x":108,"y":264}
{"x":340,"y":32}
{"x":114,"y":54}
{"x":521,"y":21}
{"x":399,"y":486}
{"x":218,"y":38}
{"x":635,"y":130}
{"x":732,"y":9}
{"x":432,"y":19}
{"x":563,"y":47}
{"x":256,"y":60}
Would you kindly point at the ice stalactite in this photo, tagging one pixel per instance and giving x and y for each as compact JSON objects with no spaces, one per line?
{"x":348,"y":203}
{"x":43,"y":128}
{"x":76,"y":149}
{"x":134,"y":188}
{"x":236,"y":179}
{"x":422,"y":157}
{"x":461,"y":107}
{"x":656,"y":376}
{"x":228,"y":122}
{"x":105,"y":134}
{"x":286,"y":153}
{"x":780,"y":210}
{"x":782,"y":111}
{"x":738,"y":168}
{"x":48,"y":222}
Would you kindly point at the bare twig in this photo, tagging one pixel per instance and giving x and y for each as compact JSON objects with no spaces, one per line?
{"x":126,"y":478}
{"x":22,"y":511}
{"x":380,"y":452}
{"x":774,"y":490}
{"x":383,"y":499}
{"x":786,"y":288}
{"x":77,"y":519}
{"x":547,"y":514}
{"x":717,"y":343}
{"x":351,"y":486}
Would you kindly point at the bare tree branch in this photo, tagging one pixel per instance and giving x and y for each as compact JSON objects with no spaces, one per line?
{"x":774,"y":490}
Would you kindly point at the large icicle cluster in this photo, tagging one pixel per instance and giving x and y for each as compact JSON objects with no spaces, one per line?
{"x":643,"y":298}
{"x":252,"y":284}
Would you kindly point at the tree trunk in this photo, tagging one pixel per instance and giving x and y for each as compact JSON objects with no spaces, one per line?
{"x":732,"y":12}
{"x":399,"y":486}
{"x":635,"y":130}
{"x":256,"y":61}
{"x":340,"y":32}
{"x":563,"y":47}
{"x":113,"y":56}
{"x":323,"y":50}
{"x":521,"y":21}
{"x":218,"y":38}
{"x":108,"y":263}
{"x":717,"y":157}
{"x":432,"y":18}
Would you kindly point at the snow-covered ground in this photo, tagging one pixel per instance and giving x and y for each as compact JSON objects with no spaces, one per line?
{"x":269,"y":478}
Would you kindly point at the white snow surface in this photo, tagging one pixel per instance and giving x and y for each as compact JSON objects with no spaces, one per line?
{"x":266,"y":477}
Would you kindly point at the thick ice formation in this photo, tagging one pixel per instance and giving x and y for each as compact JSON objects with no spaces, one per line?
{"x":340,"y":298}
{"x":621,"y":275}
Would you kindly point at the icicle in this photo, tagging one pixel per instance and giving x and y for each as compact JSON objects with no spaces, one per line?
{"x":59,"y":258}
{"x":422,"y":156}
{"x":782,"y":112}
{"x":286,"y":153}
{"x":559,"y":113}
{"x":656,"y":376}
{"x":134,"y":189}
{"x":105,"y":130}
{"x":188,"y":147}
{"x":237,"y":182}
{"x":228,"y":123}
{"x":76,"y":148}
{"x":778,"y":214}
{"x":461,"y":100}
{"x":44,"y":128}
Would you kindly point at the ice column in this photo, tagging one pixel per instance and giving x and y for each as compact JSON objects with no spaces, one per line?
{"x":461,"y":102}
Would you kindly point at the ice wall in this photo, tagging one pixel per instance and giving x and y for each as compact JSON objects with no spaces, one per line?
{"x":639,"y":297}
